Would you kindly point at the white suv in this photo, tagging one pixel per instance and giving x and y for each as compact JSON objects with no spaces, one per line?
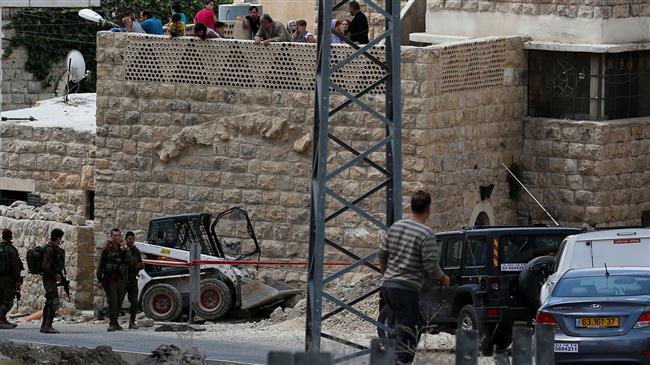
{"x":615,"y":247}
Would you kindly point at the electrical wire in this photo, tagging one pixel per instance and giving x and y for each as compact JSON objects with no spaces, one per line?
{"x":53,"y":39}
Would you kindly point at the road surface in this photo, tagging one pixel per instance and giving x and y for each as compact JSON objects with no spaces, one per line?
{"x":144,"y":340}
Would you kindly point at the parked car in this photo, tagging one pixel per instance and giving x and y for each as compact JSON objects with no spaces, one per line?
{"x":615,"y":247}
{"x":600,"y":316}
{"x":485,"y":267}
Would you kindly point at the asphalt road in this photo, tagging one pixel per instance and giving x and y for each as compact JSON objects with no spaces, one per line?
{"x":144,"y":340}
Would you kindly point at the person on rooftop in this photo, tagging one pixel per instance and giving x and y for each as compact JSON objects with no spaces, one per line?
{"x":336,"y":26}
{"x":206,"y":15}
{"x":151,"y":24}
{"x":177,"y":8}
{"x":292,"y":28}
{"x":251,"y":21}
{"x":271,"y":31}
{"x":176,"y":26}
{"x":131,"y":25}
{"x":203,"y":32}
{"x":358,"y":25}
{"x":301,"y":34}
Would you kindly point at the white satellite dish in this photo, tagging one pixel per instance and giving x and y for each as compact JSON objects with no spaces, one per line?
{"x":76,"y":66}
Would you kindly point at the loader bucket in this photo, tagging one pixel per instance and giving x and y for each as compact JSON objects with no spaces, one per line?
{"x":256,"y":294}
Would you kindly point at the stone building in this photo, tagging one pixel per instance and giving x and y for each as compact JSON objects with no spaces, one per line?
{"x":186,"y":126}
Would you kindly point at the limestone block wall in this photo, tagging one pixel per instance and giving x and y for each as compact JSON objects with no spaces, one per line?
{"x":593,"y":173}
{"x":78,"y":243}
{"x":170,"y":145}
{"x":58,"y":162}
{"x":571,"y":9}
{"x":20,"y":89}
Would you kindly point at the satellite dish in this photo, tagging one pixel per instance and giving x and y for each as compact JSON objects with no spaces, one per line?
{"x":76,"y":66}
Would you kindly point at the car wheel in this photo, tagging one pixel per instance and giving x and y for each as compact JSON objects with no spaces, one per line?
{"x":162,"y":302}
{"x":215,"y":299}
{"x":532,"y":278}
{"x":468,"y":320}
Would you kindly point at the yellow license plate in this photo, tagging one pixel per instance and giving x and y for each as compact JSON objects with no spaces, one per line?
{"x":598,"y":322}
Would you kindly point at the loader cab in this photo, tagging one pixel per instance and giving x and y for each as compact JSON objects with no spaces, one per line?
{"x":229,"y":234}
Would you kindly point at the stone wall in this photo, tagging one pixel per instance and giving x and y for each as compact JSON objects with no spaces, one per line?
{"x":57,"y":162}
{"x":571,"y":9}
{"x":594,"y":173}
{"x":20,"y":89}
{"x":190,"y":145}
{"x":31,"y":227}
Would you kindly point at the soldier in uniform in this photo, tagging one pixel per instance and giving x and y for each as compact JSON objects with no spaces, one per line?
{"x":135,"y":266}
{"x":53,"y":268}
{"x":10,"y":280}
{"x":113,"y":275}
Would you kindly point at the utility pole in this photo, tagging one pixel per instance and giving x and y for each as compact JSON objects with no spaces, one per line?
{"x":391,"y":168}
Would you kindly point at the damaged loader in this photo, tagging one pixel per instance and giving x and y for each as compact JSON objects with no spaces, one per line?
{"x":164,"y":285}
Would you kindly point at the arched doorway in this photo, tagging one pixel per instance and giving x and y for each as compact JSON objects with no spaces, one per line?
{"x":482,"y":220}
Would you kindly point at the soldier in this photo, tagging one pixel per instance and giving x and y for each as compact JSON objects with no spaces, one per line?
{"x":10,"y":280}
{"x":53,"y":268}
{"x":113,"y":274}
{"x":135,"y":266}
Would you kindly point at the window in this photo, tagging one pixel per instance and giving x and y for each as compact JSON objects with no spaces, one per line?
{"x":584,"y":86}
{"x":90,"y":205}
{"x":7,"y":197}
{"x":520,"y":249}
{"x":476,"y":251}
{"x":612,"y":286}
{"x":454,"y":252}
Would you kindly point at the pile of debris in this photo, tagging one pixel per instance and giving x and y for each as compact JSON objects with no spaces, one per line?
{"x":55,"y":212}
{"x":28,"y":354}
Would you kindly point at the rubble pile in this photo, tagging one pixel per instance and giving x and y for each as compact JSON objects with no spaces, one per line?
{"x":54,"y":212}
{"x":28,"y":354}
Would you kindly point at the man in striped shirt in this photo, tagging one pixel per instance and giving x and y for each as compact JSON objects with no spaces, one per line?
{"x":407,"y":255}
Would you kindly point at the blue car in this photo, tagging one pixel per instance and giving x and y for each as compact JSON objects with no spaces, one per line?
{"x":600,"y":316}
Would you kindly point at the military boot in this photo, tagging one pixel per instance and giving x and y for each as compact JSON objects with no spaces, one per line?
{"x":4,"y":324}
{"x":43,"y":323}
{"x":132,"y":324}
{"x":112,"y":325}
{"x":48,"y":327}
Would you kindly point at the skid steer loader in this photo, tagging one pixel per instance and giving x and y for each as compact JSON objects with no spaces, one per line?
{"x":164,"y":288}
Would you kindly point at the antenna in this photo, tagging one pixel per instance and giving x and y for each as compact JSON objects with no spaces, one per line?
{"x":606,"y":271}
{"x":531,"y":194}
{"x":76,"y":69}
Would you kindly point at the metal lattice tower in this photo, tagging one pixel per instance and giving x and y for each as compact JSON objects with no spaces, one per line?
{"x":390,"y":168}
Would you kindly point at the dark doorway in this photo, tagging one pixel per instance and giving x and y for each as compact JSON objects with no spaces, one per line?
{"x":482,"y":220}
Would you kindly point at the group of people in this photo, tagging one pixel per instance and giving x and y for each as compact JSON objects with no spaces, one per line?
{"x":263,"y":29}
{"x":117,"y":272}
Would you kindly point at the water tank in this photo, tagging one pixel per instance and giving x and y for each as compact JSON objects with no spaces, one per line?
{"x":229,"y":12}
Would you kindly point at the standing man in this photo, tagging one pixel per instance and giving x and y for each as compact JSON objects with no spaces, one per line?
{"x":10,"y":279}
{"x":271,"y":31}
{"x":53,"y":268}
{"x":408,"y":255}
{"x":113,"y":275}
{"x":251,"y":21}
{"x":135,"y":265}
{"x":358,"y":25}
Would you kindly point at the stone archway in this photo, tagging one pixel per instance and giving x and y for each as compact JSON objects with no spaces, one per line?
{"x":482,"y":215}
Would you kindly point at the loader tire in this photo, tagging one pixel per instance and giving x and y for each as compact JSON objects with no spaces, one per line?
{"x":162,"y":302}
{"x":215,"y":299}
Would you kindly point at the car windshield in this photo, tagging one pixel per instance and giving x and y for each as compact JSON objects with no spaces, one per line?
{"x":523,"y":248}
{"x":603,"y":286}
